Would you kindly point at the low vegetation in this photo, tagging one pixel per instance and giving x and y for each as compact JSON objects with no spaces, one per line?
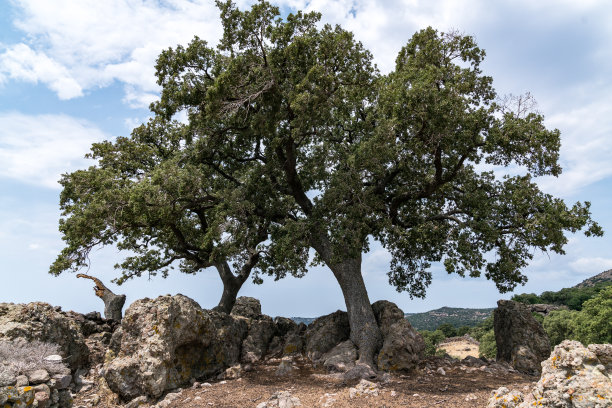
{"x":573,"y":298}
{"x":18,"y":357}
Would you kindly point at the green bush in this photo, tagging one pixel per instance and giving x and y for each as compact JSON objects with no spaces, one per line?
{"x":432,"y":339}
{"x":560,"y":325}
{"x":488,"y":347}
{"x":590,"y":325}
{"x":448,"y":329}
{"x":573,"y":298}
{"x":595,"y":319}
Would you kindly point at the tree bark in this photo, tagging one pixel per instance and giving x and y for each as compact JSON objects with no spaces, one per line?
{"x":231,"y":287}
{"x":365,"y":333}
{"x":113,"y":304}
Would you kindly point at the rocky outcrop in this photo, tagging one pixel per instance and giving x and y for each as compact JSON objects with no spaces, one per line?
{"x":521,"y":339}
{"x":573,"y":376}
{"x":45,"y":323}
{"x":255,"y":345}
{"x":341,"y":358}
{"x":403,"y":346}
{"x":31,"y":376}
{"x":325,"y":333}
{"x":545,"y":309}
{"x":288,"y":338}
{"x":167,"y":341}
{"x":247,"y":307}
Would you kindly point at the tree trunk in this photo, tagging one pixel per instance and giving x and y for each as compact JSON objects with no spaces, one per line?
{"x":113,"y":304}
{"x":231,"y":287}
{"x":365,"y":333}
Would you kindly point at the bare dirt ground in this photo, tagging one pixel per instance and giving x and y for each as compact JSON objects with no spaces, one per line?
{"x":460,"y":349}
{"x":459,"y":387}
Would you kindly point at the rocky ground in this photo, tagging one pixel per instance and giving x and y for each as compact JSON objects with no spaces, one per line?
{"x":437,"y":382}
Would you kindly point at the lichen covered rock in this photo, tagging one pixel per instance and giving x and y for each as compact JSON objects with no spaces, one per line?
{"x":573,"y":376}
{"x":167,"y":341}
{"x":325,"y":333}
{"x":402,"y":348}
{"x":45,"y":323}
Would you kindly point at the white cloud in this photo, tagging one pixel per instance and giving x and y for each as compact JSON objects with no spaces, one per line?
{"x":38,"y":149}
{"x":22,"y":63}
{"x":586,"y":146}
{"x":591,"y":266}
{"x":87,"y":44}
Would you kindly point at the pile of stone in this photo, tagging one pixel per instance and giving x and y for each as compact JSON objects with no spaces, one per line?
{"x":573,"y":376}
{"x":24,"y":385}
{"x":164,"y":342}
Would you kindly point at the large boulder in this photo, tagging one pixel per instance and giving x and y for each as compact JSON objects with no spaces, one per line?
{"x":288,"y":338}
{"x":165,"y":342}
{"x":255,"y":345}
{"x":45,"y":323}
{"x":340,"y":358}
{"x":403,"y":346}
{"x":521,"y":339}
{"x":247,"y":307}
{"x":573,"y":376}
{"x":325,"y":333}
{"x":386,"y":314}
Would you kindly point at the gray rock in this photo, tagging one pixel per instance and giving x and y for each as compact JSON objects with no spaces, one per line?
{"x":137,"y":402}
{"x":42,"y":322}
{"x":402,"y":348}
{"x":54,"y":358}
{"x":21,"y":381}
{"x":247,"y":307}
{"x":521,"y":339}
{"x":164,"y":350}
{"x":255,"y":345}
{"x":285,"y":367}
{"x":281,"y":399}
{"x":573,"y":376}
{"x":38,"y":376}
{"x":545,"y":309}
{"x":341,"y":358}
{"x":386,"y":314}
{"x":62,"y":381}
{"x":325,"y":333}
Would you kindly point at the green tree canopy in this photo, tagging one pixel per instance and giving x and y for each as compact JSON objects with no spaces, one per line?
{"x":291,"y":126}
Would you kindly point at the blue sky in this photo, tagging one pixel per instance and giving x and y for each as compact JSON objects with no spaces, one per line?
{"x":73,"y":72}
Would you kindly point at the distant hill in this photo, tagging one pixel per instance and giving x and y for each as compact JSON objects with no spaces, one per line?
{"x":306,"y":320}
{"x":605,"y":276}
{"x":454,"y":315}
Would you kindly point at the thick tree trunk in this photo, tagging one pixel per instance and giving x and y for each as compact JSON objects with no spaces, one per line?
{"x":113,"y":304}
{"x":365,"y":333}
{"x":231,"y":286}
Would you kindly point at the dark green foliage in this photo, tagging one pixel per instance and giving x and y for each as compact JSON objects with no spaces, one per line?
{"x":479,"y":331}
{"x":454,"y":316}
{"x":570,"y":297}
{"x":448,"y":329}
{"x":488,"y":346}
{"x":432,"y":339}
{"x":561,"y":325}
{"x":463,"y":330}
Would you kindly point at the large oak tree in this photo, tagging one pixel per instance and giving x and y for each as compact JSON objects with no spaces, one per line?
{"x":292,"y":128}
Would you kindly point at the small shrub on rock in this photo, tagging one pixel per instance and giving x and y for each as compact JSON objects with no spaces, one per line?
{"x":19,"y":357}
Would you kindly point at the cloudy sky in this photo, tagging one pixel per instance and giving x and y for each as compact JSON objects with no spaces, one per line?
{"x":73,"y":72}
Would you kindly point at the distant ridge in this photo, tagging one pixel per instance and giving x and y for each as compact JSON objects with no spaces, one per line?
{"x":305,"y":320}
{"x":454,"y":315}
{"x":605,"y":276}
